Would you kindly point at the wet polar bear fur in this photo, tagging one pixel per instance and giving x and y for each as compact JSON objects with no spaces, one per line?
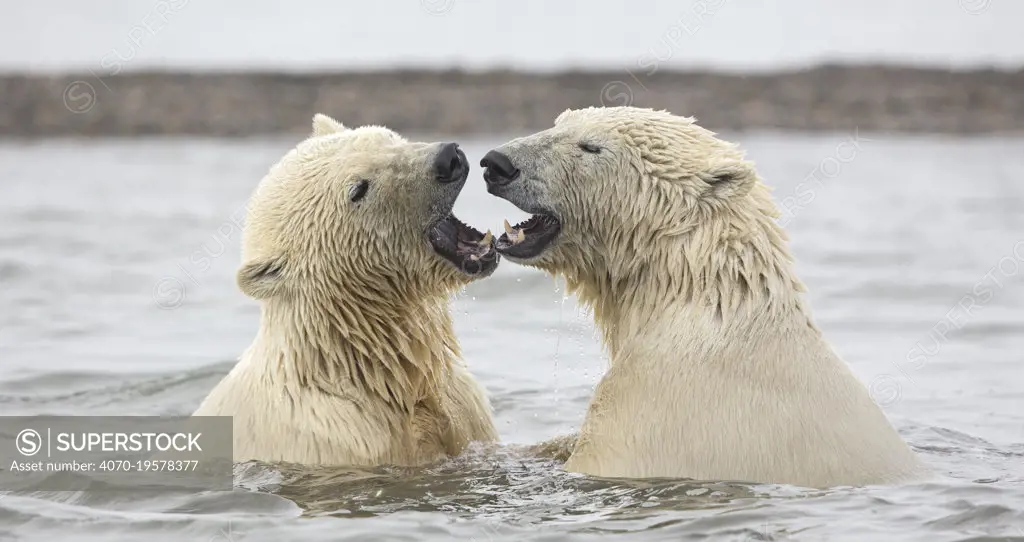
{"x":717,"y":371}
{"x":355,"y":362}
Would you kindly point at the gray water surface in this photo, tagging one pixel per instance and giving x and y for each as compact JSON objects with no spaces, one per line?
{"x":117,"y":261}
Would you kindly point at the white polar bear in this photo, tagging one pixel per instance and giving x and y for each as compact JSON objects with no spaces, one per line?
{"x":717,"y":371}
{"x":351,"y":247}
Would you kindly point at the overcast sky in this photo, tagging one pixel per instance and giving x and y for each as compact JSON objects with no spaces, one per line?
{"x":104,"y":35}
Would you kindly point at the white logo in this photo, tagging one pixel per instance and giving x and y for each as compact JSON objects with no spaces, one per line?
{"x":228,"y":535}
{"x":29,"y":442}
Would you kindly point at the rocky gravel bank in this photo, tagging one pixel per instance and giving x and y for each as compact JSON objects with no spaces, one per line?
{"x":829,"y":98}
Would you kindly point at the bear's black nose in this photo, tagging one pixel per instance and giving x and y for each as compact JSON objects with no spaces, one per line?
{"x":451,"y":163}
{"x":499,"y":169}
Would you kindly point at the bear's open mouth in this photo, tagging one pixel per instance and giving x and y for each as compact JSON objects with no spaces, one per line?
{"x":530,"y":237}
{"x":464,"y":246}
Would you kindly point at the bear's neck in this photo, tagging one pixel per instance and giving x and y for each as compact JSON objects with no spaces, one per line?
{"x":720,"y":279}
{"x":397,"y":352}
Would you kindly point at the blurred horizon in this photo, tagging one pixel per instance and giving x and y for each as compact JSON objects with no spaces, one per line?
{"x":113,"y":36}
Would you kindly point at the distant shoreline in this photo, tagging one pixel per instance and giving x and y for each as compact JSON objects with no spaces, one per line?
{"x":233,"y":104}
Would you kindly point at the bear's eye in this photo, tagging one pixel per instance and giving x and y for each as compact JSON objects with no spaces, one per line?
{"x":590,"y":147}
{"x":358,"y":190}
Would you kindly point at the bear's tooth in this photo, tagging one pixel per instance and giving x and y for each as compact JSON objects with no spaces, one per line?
{"x":486,"y":241}
{"x":514,"y":235}
{"x":474,"y":257}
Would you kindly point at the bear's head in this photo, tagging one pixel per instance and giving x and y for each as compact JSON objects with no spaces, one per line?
{"x":360,"y":214}
{"x":607,"y":185}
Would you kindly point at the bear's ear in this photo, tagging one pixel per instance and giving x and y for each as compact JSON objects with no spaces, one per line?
{"x":730,"y":179}
{"x":262,"y":278}
{"x":323,"y":125}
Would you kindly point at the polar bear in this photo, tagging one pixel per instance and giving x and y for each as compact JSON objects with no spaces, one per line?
{"x":352,"y":250}
{"x":716,"y":371}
